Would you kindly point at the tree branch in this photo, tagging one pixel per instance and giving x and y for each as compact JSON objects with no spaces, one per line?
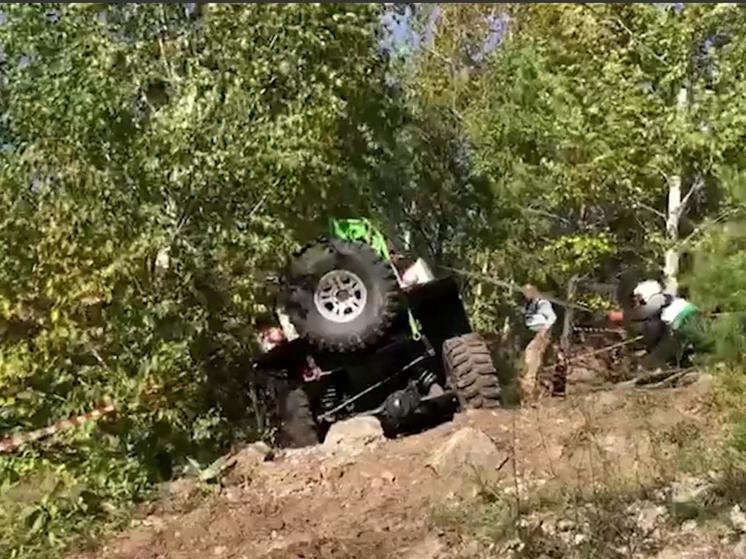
{"x":619,"y":23}
{"x":703,"y":226}
{"x":696,"y":187}
{"x":162,"y":48}
{"x":650,"y":209}
{"x":546,"y":214}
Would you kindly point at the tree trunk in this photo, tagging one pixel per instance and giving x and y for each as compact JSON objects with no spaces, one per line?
{"x":567,"y":323}
{"x":671,"y":264}
{"x":673,"y":216}
{"x":479,"y":290}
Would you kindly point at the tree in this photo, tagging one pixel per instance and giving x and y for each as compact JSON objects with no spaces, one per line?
{"x":157,"y":159}
{"x":575,"y":122}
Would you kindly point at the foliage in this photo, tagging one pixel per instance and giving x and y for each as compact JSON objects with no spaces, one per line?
{"x":157,"y":159}
{"x":718,"y":273}
{"x":574,"y":121}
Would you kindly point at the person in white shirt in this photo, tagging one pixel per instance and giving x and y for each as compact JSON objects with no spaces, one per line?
{"x":539,"y":317}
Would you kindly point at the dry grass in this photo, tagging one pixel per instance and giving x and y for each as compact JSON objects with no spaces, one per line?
{"x":610,"y":495}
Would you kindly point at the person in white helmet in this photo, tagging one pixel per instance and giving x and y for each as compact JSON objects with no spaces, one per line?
{"x":668,"y":323}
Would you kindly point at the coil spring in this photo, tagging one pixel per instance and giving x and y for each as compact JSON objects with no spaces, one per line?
{"x":426,"y":380}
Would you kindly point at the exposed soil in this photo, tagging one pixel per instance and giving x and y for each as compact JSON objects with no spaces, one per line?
{"x":378,"y":504}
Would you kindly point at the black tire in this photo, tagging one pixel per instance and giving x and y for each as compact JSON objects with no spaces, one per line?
{"x":308,"y":269}
{"x":298,"y":427}
{"x":472,"y":374}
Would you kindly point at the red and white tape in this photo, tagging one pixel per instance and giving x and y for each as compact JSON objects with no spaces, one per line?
{"x":594,"y":330}
{"x":13,"y":442}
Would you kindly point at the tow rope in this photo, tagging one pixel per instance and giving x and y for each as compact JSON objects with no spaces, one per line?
{"x":13,"y":442}
{"x":514,"y":287}
{"x":597,"y":351}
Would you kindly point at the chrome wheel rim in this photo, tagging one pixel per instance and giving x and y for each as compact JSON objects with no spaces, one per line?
{"x":340,"y":296}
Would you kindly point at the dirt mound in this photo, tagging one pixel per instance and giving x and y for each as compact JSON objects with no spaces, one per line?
{"x":314,"y":504}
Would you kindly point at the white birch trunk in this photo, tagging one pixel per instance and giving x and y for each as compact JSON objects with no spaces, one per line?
{"x":673,"y":216}
{"x":671,"y":263}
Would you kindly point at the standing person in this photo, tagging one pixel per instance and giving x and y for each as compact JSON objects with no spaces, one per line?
{"x":539,"y":317}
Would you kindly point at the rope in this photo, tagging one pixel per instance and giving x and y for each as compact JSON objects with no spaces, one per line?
{"x":514,"y":287}
{"x":13,"y":442}
{"x":517,"y":288}
{"x":596,"y":351}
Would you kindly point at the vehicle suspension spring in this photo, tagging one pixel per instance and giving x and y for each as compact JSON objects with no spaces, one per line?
{"x":426,"y":379}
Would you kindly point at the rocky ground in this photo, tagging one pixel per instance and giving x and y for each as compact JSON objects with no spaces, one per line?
{"x":623,"y":473}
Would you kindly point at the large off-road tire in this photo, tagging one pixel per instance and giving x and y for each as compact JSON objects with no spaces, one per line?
{"x":471,"y":372}
{"x":298,"y":427}
{"x":342,"y":295}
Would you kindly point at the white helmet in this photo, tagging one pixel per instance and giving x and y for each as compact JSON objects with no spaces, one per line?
{"x":646,"y":289}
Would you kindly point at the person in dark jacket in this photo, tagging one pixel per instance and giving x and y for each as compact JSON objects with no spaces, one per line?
{"x":671,"y":326}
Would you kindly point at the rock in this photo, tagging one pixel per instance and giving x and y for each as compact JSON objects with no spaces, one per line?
{"x":430,"y":548}
{"x":689,"y":526}
{"x":301,"y":455}
{"x":696,"y":552}
{"x":582,"y":375}
{"x":739,"y":550}
{"x":689,"y":490}
{"x":182,"y":492}
{"x":468,"y":550}
{"x":243,"y":464}
{"x":737,"y":519}
{"x":155,"y":522}
{"x":232,"y":494}
{"x":613,"y":444}
{"x":388,"y":477}
{"x":607,"y":400}
{"x":353,"y":435}
{"x":466,"y":453}
{"x":260,"y":448}
{"x":255,"y":453}
{"x":649,"y":517}
{"x":689,"y":378}
{"x":702,"y":385}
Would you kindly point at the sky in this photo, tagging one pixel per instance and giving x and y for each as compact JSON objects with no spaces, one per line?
{"x":401,"y":37}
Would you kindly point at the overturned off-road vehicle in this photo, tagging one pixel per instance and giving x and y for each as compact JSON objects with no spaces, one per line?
{"x":364,"y":333}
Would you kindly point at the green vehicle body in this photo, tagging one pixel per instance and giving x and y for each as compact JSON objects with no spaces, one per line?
{"x":360,"y":229}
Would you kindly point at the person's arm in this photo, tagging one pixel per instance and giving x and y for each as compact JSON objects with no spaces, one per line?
{"x":615,"y":317}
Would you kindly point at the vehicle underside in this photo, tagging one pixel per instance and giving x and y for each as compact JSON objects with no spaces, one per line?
{"x":359,"y":337}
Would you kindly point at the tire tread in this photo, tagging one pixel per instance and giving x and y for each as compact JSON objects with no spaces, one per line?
{"x":468,"y":364}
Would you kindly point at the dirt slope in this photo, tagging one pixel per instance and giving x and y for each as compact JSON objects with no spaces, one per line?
{"x":379,"y":504}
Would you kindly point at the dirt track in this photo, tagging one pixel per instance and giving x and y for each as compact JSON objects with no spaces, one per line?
{"x":378,"y":504}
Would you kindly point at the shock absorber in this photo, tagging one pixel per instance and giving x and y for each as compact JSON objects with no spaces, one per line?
{"x":425,"y":380}
{"x":330,"y":397}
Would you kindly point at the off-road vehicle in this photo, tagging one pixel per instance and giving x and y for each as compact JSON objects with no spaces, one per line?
{"x":362,"y":332}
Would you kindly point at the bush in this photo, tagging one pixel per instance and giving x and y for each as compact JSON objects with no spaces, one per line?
{"x":156,"y":159}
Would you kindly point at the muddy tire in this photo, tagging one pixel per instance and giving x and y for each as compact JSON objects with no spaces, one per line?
{"x":471,"y":372}
{"x":342,"y":296}
{"x":298,"y":427}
